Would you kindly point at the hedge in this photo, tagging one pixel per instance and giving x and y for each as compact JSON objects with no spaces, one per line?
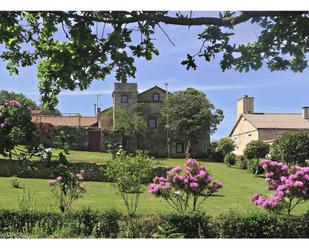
{"x":111,"y":224}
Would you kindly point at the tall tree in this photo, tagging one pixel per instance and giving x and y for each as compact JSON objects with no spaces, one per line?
{"x":128,"y":124}
{"x":190,"y":114}
{"x":95,"y":44}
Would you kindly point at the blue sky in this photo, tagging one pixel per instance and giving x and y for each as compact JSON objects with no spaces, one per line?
{"x":273,"y":91}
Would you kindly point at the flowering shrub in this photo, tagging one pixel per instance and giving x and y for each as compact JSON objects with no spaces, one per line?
{"x":15,"y":126}
{"x":67,"y":186}
{"x":290,"y":186}
{"x":185,"y":192}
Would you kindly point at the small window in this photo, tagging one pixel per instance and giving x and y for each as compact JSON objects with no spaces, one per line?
{"x":156,"y":97}
{"x":180,"y":148}
{"x":152,"y":123}
{"x":124,"y":98}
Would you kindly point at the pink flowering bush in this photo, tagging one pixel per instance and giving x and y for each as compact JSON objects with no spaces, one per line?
{"x":290,"y":186}
{"x":15,"y":127}
{"x":185,"y":192}
{"x":67,"y":187}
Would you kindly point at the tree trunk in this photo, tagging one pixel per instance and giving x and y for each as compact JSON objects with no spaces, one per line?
{"x":188,"y":151}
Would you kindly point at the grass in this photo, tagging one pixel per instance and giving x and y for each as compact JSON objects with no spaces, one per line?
{"x":239,"y":186}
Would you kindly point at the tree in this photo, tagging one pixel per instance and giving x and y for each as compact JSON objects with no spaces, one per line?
{"x":190,"y":114}
{"x":6,"y":96}
{"x":226,"y":145}
{"x":128,"y":124}
{"x":256,"y":150}
{"x":95,"y":44}
{"x":294,"y":147}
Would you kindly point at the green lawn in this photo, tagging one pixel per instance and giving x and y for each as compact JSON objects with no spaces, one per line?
{"x":239,"y":186}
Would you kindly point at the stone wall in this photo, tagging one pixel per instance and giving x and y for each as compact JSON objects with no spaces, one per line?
{"x":93,"y":172}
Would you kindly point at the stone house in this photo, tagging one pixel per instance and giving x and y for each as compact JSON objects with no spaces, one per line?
{"x":149,"y":104}
{"x":265,"y":127}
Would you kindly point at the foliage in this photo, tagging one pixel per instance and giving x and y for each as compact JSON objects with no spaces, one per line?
{"x":274,"y":152}
{"x":213,"y":154}
{"x":256,"y":149}
{"x":294,"y":147}
{"x":67,"y":186}
{"x":15,"y":182}
{"x":69,"y":138}
{"x":254,"y":166}
{"x":165,"y":231}
{"x":190,"y":114}
{"x":15,"y":127}
{"x":290,"y":187}
{"x":6,"y":96}
{"x":94,"y":44}
{"x":185,"y":192}
{"x":129,"y":124}
{"x":261,"y":225}
{"x":129,"y":172}
{"x":226,"y":145}
{"x":243,"y":162}
{"x":230,"y":159}
{"x":77,"y":224}
{"x":191,"y":225}
{"x":27,"y":202}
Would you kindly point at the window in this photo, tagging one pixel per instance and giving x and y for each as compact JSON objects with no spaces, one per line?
{"x":152,"y":123}
{"x":156,"y":97}
{"x":180,"y":148}
{"x":124,"y":98}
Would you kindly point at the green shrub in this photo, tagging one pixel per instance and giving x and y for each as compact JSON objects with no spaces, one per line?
{"x":230,"y":159}
{"x":274,"y":152}
{"x":226,"y":146}
{"x":15,"y":182}
{"x":213,"y":154}
{"x":255,"y":167}
{"x":67,"y":137}
{"x":243,"y":162}
{"x":256,"y":149}
{"x":293,"y":147}
{"x":261,"y":225}
{"x":83,"y":223}
{"x":191,"y":225}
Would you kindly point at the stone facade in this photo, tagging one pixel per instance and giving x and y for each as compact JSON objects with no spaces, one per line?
{"x":265,"y":127}
{"x":154,"y":139}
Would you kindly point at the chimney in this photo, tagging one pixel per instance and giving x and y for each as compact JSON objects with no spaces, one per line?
{"x":245,"y":104}
{"x":306,"y":112}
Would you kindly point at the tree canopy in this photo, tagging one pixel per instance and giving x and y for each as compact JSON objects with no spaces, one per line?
{"x":95,"y":44}
{"x":190,"y":114}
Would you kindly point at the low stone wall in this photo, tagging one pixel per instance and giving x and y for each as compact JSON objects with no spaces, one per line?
{"x":93,"y":171}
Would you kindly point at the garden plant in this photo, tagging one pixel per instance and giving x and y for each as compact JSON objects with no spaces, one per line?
{"x":185,"y":192}
{"x":290,"y":187}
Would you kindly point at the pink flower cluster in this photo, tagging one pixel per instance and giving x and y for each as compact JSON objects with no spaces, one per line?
{"x":287,"y":183}
{"x":14,"y":103}
{"x":196,"y":180}
{"x":77,"y":177}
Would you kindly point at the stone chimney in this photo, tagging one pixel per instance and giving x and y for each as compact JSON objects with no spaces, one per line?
{"x":245,"y":104}
{"x":306,"y":112}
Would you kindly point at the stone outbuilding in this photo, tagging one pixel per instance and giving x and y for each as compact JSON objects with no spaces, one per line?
{"x":262,"y":126}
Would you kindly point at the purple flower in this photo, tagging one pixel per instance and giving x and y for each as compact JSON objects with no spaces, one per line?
{"x":193,"y":185}
{"x":174,"y":170}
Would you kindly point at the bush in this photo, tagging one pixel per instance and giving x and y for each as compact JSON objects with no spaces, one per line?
{"x":129,"y":173}
{"x":255,"y":167}
{"x":274,"y":152}
{"x":226,"y":146}
{"x":256,"y":149}
{"x":15,"y":182}
{"x":213,"y":154}
{"x":261,"y":225}
{"x":243,"y":162}
{"x":230,"y":159}
{"x":192,"y":225}
{"x":69,"y":138}
{"x":83,"y":223}
{"x":293,"y":147}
